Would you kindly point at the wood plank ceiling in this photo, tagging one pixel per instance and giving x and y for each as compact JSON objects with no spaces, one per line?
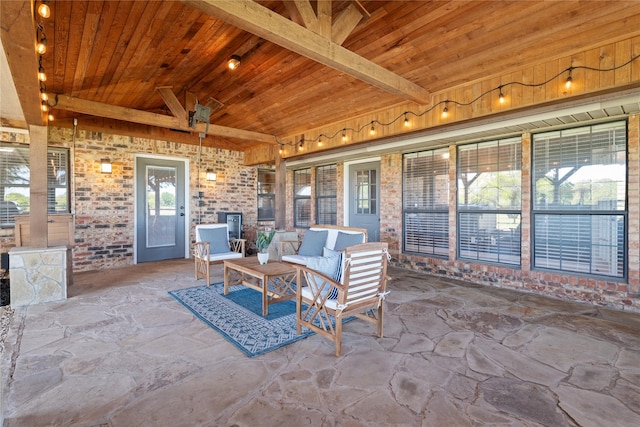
{"x":119,"y":53}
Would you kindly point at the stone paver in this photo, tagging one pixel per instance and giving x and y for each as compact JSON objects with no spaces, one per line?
{"x":121,"y":352}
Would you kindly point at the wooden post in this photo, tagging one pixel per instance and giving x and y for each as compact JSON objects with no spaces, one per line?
{"x":281,"y":193}
{"x":38,"y":226}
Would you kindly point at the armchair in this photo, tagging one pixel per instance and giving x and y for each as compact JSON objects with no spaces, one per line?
{"x":213,"y":246}
{"x":357,"y":290}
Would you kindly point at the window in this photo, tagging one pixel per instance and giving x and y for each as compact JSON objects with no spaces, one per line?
{"x":489,"y":201}
{"x":266,"y":195}
{"x":425,"y":184}
{"x":302,"y":198}
{"x":579,"y":199}
{"x":326,"y":202}
{"x":15,"y":177}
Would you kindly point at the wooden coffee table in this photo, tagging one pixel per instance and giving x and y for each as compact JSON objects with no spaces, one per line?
{"x":275,"y":280}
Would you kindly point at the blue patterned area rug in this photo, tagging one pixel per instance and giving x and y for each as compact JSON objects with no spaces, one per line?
{"x":238,"y":317}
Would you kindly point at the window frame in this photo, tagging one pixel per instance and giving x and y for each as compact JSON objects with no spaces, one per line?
{"x":562,"y":212}
{"x":57,"y":171}
{"x":326,"y":191}
{"x":436,"y":246}
{"x":266,"y":197}
{"x":502,"y":247}
{"x":301,"y":202}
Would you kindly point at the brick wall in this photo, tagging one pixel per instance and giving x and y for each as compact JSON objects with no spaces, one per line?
{"x":103,"y":204}
{"x":598,"y":291}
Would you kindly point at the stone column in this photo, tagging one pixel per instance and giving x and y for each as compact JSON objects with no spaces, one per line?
{"x":38,"y":274}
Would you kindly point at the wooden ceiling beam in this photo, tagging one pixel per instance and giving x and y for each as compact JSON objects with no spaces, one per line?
{"x":261,"y":21}
{"x":78,"y":105}
{"x":345,"y":24}
{"x":173,"y":103}
{"x":18,"y":33}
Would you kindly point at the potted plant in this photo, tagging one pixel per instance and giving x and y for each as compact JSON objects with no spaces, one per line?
{"x":262,"y":242}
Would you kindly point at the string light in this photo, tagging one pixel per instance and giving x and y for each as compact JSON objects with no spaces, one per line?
{"x":445,"y":103}
{"x":44,"y":106}
{"x":301,"y":146}
{"x":44,"y":10}
{"x":43,"y":92}
{"x":41,"y":47}
{"x":41,"y":74}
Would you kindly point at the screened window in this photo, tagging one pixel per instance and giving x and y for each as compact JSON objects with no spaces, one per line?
{"x":15,"y":179}
{"x":489,"y":201}
{"x":266,"y":195}
{"x":425,"y":184}
{"x":579,"y":199}
{"x":302,"y":198}
{"x":326,"y":202}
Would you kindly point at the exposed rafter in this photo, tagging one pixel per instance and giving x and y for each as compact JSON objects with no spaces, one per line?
{"x":18,"y":40}
{"x":259,"y":20}
{"x":78,"y":105}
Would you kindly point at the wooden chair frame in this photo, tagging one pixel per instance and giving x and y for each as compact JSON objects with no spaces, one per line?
{"x":203,"y":260}
{"x":360,"y":294}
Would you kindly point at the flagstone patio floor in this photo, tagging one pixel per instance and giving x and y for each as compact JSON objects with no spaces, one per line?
{"x":121,"y":352}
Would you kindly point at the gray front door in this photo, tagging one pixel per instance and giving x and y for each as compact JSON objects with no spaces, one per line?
{"x":364,"y":204}
{"x":160,"y":206}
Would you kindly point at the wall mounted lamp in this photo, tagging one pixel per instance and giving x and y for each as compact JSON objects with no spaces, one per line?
{"x":233,"y":62}
{"x":211,"y":175}
{"x":105,"y":165}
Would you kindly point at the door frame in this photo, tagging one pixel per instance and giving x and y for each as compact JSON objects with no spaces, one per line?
{"x":187,"y":199}
{"x":346,"y":187}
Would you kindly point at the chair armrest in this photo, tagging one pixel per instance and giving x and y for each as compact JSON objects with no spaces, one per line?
{"x":238,"y":245}
{"x":201,"y":250}
{"x":289,"y":247}
{"x":310,"y":278}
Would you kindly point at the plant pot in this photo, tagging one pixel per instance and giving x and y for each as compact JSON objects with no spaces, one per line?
{"x":263,"y":257}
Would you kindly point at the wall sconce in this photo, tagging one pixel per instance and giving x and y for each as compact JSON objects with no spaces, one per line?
{"x":233,"y":62}
{"x":211,"y":175}
{"x":105,"y":165}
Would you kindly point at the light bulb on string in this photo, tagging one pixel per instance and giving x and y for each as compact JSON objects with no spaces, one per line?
{"x":44,"y":10}
{"x":569,"y":80}
{"x":445,"y":110}
{"x":344,"y":135}
{"x":41,"y":47}
{"x":43,"y":94}
{"x":407,"y":123}
{"x":372,"y":131}
{"x":44,"y":107}
{"x":501,"y":96}
{"x":320,"y":141}
{"x":50,"y":117}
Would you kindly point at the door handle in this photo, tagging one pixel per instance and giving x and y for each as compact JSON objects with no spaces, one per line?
{"x":181,"y":213}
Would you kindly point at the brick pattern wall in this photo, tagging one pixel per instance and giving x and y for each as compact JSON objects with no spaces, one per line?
{"x":104,"y":205}
{"x":623,"y":295}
